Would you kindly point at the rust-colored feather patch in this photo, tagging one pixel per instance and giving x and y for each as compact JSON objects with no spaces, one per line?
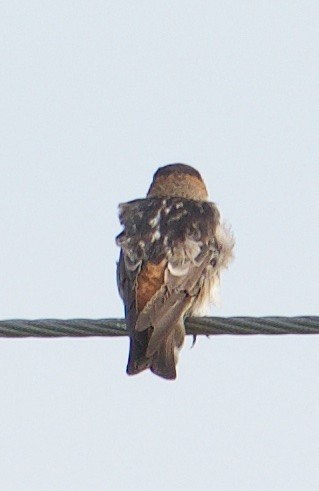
{"x":149,"y":281}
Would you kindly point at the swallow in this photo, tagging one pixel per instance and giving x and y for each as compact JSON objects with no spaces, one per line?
{"x":173,"y":247}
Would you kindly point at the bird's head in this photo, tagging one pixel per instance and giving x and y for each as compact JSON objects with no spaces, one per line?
{"x":178,"y":180}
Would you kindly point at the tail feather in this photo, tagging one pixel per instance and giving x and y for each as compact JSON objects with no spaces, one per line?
{"x":137,"y":360}
{"x":163,"y":360}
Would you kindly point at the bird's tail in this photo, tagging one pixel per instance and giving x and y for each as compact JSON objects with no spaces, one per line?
{"x":161,"y":359}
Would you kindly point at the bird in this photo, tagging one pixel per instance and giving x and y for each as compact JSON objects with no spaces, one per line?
{"x":173,"y":247}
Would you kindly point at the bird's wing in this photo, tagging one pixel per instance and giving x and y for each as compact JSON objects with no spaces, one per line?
{"x":127,"y":278}
{"x":183,"y":277}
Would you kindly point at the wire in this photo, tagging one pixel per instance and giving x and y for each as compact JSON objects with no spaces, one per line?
{"x":48,"y":328}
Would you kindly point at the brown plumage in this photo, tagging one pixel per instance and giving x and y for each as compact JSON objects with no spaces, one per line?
{"x":172,"y":249}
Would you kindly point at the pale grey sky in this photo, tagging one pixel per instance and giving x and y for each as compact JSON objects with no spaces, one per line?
{"x":94,"y":97}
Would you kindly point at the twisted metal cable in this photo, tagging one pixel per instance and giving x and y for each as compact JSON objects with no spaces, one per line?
{"x":47,"y":328}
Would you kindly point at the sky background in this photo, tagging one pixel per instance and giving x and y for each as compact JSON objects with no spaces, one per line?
{"x":95,"y":96}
